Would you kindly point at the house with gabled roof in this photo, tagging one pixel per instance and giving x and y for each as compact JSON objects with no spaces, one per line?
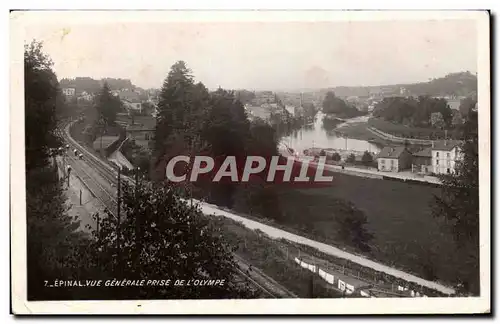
{"x":394,"y":159}
{"x":422,"y":161}
{"x":445,"y":155}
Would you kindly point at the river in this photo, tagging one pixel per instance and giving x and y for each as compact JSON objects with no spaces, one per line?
{"x":316,"y":136}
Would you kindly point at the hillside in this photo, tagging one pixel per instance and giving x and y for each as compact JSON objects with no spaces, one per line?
{"x":453,"y":84}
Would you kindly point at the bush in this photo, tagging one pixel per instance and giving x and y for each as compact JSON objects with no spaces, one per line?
{"x":351,"y":158}
{"x":367,"y":158}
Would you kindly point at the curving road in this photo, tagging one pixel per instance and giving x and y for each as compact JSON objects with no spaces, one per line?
{"x":210,"y":209}
{"x":325,"y":248}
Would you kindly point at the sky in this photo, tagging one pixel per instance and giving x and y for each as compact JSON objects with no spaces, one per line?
{"x":263,"y":55}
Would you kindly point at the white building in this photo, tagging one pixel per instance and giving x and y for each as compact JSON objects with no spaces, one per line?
{"x":445,"y":154}
{"x":86,"y":96}
{"x":69,"y":92}
{"x":135,"y":106}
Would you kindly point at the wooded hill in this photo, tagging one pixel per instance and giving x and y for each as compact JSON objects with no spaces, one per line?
{"x":453,"y":84}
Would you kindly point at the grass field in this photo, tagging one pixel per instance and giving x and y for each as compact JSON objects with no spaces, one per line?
{"x":409,"y":132}
{"x":360,"y":131}
{"x":269,"y":256}
{"x":405,"y":233}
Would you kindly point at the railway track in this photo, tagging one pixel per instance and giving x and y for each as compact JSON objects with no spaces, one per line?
{"x":97,"y":190}
{"x":269,"y":285}
{"x":257,"y":278}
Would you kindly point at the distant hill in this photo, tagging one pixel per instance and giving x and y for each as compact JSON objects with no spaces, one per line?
{"x":93,"y":86}
{"x":453,"y":84}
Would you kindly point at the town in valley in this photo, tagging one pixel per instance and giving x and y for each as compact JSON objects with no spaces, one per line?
{"x":400,"y":218}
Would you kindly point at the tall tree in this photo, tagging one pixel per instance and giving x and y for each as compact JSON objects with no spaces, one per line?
{"x":173,"y":106}
{"x":51,"y":233}
{"x":226,"y":130}
{"x":107,"y":106}
{"x":458,"y":204}
{"x":41,"y":98}
{"x":466,"y":105}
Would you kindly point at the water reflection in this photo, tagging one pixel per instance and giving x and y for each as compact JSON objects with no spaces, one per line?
{"x":321,"y":134}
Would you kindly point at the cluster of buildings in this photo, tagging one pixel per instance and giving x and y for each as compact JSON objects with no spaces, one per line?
{"x":132,"y":100}
{"x":71,"y":93}
{"x":267,"y":102}
{"x":440,"y":158}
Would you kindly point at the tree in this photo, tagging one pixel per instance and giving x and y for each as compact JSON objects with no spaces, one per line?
{"x":351,"y":158}
{"x":163,"y":237}
{"x":51,"y":233}
{"x":41,"y":96}
{"x":107,"y":106}
{"x":226,"y":131}
{"x":367,"y":158}
{"x":336,"y":156}
{"x":174,"y":107}
{"x":351,"y":229}
{"x":309,"y":110}
{"x":335,"y":105}
{"x":466,"y":105}
{"x":244,"y":96}
{"x":437,"y":120}
{"x":457,"y":119}
{"x":458,"y":204}
{"x":411,"y":111}
{"x":263,"y":139}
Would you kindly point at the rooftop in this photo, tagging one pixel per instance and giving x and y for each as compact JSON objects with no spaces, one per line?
{"x":128,"y":95}
{"x":446,"y":145}
{"x":427,"y":152}
{"x":106,"y":141}
{"x":390,"y":152}
{"x":139,"y":128}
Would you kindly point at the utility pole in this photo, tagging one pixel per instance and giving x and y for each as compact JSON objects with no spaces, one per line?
{"x":137,"y":179}
{"x":118,"y":214}
{"x":98,"y":221}
{"x":137,"y":220}
{"x":101,"y":121}
{"x":69,"y":172}
{"x":311,"y":286}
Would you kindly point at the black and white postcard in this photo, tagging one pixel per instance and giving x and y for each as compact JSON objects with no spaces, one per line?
{"x":250,"y":162}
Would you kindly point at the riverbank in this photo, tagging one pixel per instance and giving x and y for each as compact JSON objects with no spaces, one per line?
{"x":418,"y":135}
{"x":382,"y":133}
{"x":360,"y":131}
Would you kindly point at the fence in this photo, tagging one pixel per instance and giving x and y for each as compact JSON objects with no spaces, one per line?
{"x":321,"y":268}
